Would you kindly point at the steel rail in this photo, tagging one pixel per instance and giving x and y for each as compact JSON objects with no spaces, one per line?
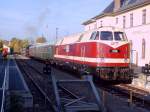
{"x":38,"y":87}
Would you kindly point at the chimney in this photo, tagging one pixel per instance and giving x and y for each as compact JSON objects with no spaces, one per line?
{"x":117,"y":4}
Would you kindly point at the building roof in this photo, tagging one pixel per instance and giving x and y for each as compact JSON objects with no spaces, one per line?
{"x":125,"y":5}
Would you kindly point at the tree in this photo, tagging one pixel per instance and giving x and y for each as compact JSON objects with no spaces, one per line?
{"x":13,"y":41}
{"x":41,"y":40}
{"x":17,"y":44}
{"x":1,"y":45}
{"x":25,"y":43}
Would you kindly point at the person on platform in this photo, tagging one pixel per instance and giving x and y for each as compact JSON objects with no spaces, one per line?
{"x":47,"y":68}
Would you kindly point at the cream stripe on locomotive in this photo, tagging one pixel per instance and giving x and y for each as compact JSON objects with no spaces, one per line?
{"x":97,"y":60}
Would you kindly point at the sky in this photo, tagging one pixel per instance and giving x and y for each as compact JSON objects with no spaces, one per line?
{"x":32,"y":18}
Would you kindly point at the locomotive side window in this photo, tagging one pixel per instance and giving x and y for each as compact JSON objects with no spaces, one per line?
{"x":94,"y":36}
{"x":80,"y":38}
{"x":119,"y":36}
{"x":106,"y":35}
{"x":97,"y":36}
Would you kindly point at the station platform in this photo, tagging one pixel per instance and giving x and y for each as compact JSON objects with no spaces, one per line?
{"x":16,"y":81}
{"x":1,"y":94}
{"x":2,"y":81}
{"x":17,"y":85}
{"x":12,"y":82}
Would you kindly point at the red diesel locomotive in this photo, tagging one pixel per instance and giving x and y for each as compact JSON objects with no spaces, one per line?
{"x":103,"y":53}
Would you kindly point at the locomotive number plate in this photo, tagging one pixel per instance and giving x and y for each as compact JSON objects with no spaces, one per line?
{"x":114,"y":51}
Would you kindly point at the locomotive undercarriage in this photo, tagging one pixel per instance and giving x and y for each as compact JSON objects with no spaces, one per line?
{"x":115,"y":74}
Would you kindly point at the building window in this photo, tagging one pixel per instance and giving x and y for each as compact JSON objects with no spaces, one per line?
{"x":117,"y":20}
{"x":89,"y":27}
{"x":131,"y":20}
{"x":124,"y":21}
{"x":144,"y":16}
{"x":143,"y":48}
{"x":95,"y":26}
{"x":101,"y":23}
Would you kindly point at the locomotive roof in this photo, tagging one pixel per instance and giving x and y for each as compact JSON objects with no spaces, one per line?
{"x":84,"y":36}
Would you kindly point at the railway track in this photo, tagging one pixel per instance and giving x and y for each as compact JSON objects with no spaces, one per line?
{"x":129,"y":93}
{"x":40,"y":91}
{"x":46,"y":87}
{"x":132,"y":95}
{"x":135,"y":95}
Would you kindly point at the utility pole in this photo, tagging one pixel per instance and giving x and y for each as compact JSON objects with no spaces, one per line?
{"x":56,"y":34}
{"x":47,"y":30}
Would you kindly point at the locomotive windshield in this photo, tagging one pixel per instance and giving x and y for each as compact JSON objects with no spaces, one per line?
{"x":106,"y":35}
{"x":119,"y":36}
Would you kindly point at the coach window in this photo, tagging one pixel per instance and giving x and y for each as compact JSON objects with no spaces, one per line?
{"x":143,"y":48}
{"x":106,"y":35}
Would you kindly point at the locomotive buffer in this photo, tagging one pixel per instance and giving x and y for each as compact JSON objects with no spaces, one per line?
{"x":76,"y":95}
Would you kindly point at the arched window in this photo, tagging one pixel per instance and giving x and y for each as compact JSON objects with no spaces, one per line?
{"x":143,"y":48}
{"x":95,"y":25}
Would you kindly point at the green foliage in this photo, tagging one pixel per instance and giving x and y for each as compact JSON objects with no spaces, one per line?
{"x":1,"y":45}
{"x":17,"y":44}
{"x":25,"y":43}
{"x":41,"y":40}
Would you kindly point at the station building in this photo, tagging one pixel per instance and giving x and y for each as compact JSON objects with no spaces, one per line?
{"x":134,"y":17}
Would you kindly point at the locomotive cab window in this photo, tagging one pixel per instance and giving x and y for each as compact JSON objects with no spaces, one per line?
{"x":106,"y":35}
{"x":119,"y":36}
{"x":94,"y":36}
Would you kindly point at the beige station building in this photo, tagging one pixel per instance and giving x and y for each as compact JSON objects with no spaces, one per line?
{"x":134,"y":17}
